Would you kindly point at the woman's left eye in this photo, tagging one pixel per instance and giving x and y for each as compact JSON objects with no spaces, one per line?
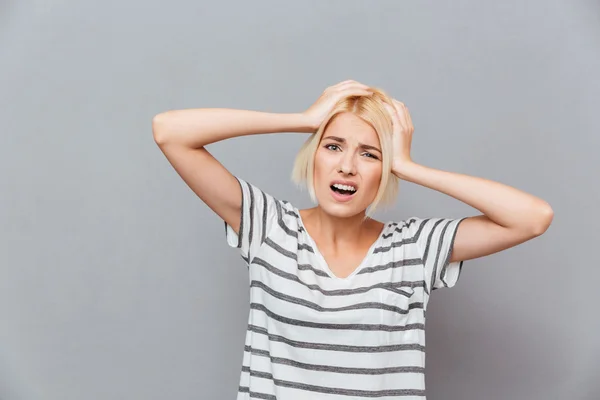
{"x":335,"y":147}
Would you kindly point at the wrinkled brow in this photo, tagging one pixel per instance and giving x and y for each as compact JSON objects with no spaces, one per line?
{"x":342,"y":140}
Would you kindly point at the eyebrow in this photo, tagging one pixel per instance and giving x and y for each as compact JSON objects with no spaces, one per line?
{"x":342,"y":140}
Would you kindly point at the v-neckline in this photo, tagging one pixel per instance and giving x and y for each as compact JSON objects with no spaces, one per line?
{"x":324,"y":263}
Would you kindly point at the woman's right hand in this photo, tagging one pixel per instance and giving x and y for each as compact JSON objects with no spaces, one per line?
{"x":317,"y":112}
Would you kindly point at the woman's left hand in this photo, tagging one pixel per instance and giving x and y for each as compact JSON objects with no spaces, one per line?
{"x":402,"y":134}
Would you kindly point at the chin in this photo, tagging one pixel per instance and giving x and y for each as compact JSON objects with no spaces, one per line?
{"x":341,"y":210}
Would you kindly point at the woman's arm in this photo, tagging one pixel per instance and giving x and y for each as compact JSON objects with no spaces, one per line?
{"x":504,"y":205}
{"x":199,"y":127}
{"x":182,"y":134}
{"x":510,"y":216}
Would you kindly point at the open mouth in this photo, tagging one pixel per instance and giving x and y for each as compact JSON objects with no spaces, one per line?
{"x":343,"y":190}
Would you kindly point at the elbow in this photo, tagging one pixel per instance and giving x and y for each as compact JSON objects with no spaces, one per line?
{"x":543,"y":222}
{"x":158,"y":128}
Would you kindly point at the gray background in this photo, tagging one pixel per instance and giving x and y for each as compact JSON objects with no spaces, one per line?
{"x":115,"y":279}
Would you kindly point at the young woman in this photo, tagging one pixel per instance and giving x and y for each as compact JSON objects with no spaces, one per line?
{"x":337,"y":298}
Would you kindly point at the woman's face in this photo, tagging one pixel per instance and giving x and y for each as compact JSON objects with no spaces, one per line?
{"x":349,"y":154}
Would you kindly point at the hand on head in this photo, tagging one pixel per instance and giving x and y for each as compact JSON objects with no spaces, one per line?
{"x":317,"y":112}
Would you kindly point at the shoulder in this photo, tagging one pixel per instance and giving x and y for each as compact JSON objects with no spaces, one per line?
{"x":255,"y":196}
{"x":426,"y":231}
{"x":404,"y":225}
{"x":408,"y":230}
{"x":417,"y":223}
{"x":288,"y":210}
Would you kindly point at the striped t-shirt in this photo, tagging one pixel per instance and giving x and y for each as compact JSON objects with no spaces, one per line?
{"x":312,"y":335}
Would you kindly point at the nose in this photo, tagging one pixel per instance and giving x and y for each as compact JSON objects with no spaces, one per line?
{"x":347,"y":164}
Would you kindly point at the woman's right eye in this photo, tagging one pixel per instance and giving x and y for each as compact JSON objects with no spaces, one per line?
{"x":329,"y":146}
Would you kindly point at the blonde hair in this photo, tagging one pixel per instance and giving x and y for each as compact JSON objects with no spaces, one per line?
{"x":370,"y":109}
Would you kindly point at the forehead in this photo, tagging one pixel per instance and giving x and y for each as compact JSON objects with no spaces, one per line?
{"x":352,"y":128}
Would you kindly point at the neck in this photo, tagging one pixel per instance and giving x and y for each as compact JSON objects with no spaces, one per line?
{"x":335,"y":231}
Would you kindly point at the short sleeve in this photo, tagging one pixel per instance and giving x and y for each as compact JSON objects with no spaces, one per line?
{"x":258,"y":214}
{"x":434,"y":238}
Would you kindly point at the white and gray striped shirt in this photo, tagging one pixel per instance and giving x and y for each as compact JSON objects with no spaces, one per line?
{"x":314,"y":335}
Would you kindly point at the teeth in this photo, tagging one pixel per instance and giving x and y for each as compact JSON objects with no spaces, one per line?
{"x":344,"y":187}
